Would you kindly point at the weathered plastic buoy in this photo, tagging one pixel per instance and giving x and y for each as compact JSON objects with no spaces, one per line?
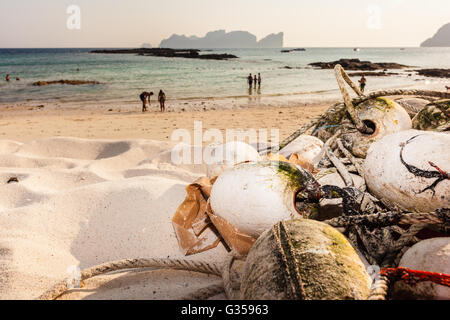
{"x":384,"y":116}
{"x":434,"y":116}
{"x":410,"y":169}
{"x":305,"y":147}
{"x":253,"y":196}
{"x":432,"y":255}
{"x":303,"y":259}
{"x":226,"y":155}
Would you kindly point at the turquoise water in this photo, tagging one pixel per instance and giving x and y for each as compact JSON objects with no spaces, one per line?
{"x":123,"y":77}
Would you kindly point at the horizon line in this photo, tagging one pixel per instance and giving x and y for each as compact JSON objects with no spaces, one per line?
{"x":288,"y":47}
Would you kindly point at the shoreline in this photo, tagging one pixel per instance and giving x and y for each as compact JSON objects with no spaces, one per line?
{"x":30,"y":120}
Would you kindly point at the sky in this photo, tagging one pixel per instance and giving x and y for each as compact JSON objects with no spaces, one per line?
{"x":305,"y":23}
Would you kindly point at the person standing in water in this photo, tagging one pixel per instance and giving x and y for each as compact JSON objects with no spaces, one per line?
{"x":7,"y":77}
{"x":145,"y":96}
{"x":362,"y":83}
{"x":259,"y":80}
{"x":250,"y":81}
{"x":255,"y":80}
{"x":162,"y":100}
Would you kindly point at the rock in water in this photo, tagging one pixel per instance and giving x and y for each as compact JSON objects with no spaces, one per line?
{"x":408,"y":169}
{"x":431,"y":255}
{"x":384,"y":116}
{"x":434,"y":116}
{"x":253,"y":196}
{"x":306,"y":260}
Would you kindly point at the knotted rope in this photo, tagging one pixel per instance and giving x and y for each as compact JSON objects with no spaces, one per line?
{"x":379,"y":290}
{"x":339,"y":107}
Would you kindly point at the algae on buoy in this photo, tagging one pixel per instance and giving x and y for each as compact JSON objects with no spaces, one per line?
{"x":304,"y":260}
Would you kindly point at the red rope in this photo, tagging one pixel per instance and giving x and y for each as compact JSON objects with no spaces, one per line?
{"x":444,"y":173}
{"x":415,"y":276}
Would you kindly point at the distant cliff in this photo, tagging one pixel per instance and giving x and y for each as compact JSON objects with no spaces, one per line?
{"x":274,"y":40}
{"x":222,"y":39}
{"x":440,"y":39}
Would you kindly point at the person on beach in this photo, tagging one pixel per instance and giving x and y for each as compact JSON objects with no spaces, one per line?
{"x":447,"y":87}
{"x":250,"y":81}
{"x":255,"y":80}
{"x":145,"y":96}
{"x":362,"y":83}
{"x":259,"y":80}
{"x":162,"y":100}
{"x":7,"y":77}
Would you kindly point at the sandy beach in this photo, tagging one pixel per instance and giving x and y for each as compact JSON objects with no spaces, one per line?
{"x":96,"y":185}
{"x":28,"y":121}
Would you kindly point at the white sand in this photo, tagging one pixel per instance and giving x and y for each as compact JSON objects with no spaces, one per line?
{"x":85,"y":202}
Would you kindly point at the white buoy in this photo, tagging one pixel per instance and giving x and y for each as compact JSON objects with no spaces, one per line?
{"x":402,"y":182}
{"x":384,"y":116}
{"x":432,"y":255}
{"x":224,"y":156}
{"x":305,"y":147}
{"x":254,"y":196}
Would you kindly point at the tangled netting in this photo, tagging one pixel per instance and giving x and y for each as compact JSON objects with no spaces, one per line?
{"x":381,"y":231}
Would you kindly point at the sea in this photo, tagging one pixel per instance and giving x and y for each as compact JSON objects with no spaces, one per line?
{"x":124,"y":76}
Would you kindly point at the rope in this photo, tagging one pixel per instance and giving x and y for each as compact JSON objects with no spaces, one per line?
{"x":379,"y":289}
{"x":342,"y":76}
{"x":415,"y":276}
{"x":408,"y":236}
{"x":340,"y":106}
{"x":175,"y":264}
{"x":325,"y":127}
{"x":350,"y":157}
{"x":339,"y":166}
{"x":403,"y":92}
{"x":226,"y":276}
{"x":389,"y":218}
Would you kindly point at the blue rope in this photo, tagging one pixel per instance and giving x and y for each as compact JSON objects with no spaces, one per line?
{"x":326,"y":127}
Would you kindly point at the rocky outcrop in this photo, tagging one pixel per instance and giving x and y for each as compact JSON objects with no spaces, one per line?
{"x":272,"y":41}
{"x":440,"y":39}
{"x":222,"y":39}
{"x":70,"y":82}
{"x":290,"y":50}
{"x":170,"y":53}
{"x":356,"y":64}
{"x":371,"y":74}
{"x":435,"y":73}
